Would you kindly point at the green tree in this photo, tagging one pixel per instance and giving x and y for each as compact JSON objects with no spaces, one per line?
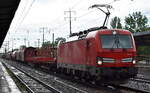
{"x":48,"y":43}
{"x":147,"y":29}
{"x":143,"y":50}
{"x":115,"y":22}
{"x":58,"y":39}
{"x":136,"y":22}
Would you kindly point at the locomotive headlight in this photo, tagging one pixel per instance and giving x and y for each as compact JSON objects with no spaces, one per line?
{"x":99,"y":61}
{"x":134,"y":62}
{"x":114,"y":32}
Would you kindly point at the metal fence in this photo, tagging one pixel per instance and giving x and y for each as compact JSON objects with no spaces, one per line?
{"x":142,"y":59}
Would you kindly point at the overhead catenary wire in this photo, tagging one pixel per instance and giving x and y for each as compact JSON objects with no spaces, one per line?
{"x":25,"y":15}
{"x":62,"y":25}
{"x":72,"y":7}
{"x":77,"y":3}
{"x":93,"y":11}
{"x":85,"y":14}
{"x":21,"y":14}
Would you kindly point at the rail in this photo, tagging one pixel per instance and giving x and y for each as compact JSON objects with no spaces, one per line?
{"x":29,"y":88}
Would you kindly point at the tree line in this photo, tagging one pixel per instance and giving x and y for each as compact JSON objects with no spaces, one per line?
{"x":135,"y":22}
{"x":54,"y":43}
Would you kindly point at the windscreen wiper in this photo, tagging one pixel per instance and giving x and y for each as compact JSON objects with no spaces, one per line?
{"x":116,"y":42}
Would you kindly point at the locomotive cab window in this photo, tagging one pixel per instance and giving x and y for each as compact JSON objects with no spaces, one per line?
{"x":116,"y":41}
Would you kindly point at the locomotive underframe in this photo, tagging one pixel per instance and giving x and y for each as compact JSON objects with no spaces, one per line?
{"x":111,"y":73}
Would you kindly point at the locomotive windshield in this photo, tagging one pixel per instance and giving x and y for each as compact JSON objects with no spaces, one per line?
{"x":116,"y":41}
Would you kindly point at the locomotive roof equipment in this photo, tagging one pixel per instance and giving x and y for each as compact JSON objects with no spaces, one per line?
{"x":82,"y":34}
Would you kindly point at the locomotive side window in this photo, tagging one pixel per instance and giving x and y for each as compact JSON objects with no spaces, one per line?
{"x":116,"y":41}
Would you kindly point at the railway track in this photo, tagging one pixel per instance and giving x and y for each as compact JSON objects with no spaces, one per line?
{"x":74,"y":87}
{"x":138,"y":84}
{"x":124,"y":88}
{"x":32,"y":84}
{"x":63,"y":87}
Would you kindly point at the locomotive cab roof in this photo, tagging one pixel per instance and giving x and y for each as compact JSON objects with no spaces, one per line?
{"x":93,"y":31}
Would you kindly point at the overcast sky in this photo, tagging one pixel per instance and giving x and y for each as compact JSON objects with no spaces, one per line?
{"x":32,"y":15}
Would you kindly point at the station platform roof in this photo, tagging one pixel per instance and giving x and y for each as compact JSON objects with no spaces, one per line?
{"x":142,"y":38}
{"x":7,"y":12}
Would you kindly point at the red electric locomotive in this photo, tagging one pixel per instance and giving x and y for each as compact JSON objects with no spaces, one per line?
{"x":108,"y":53}
{"x":99,"y":53}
